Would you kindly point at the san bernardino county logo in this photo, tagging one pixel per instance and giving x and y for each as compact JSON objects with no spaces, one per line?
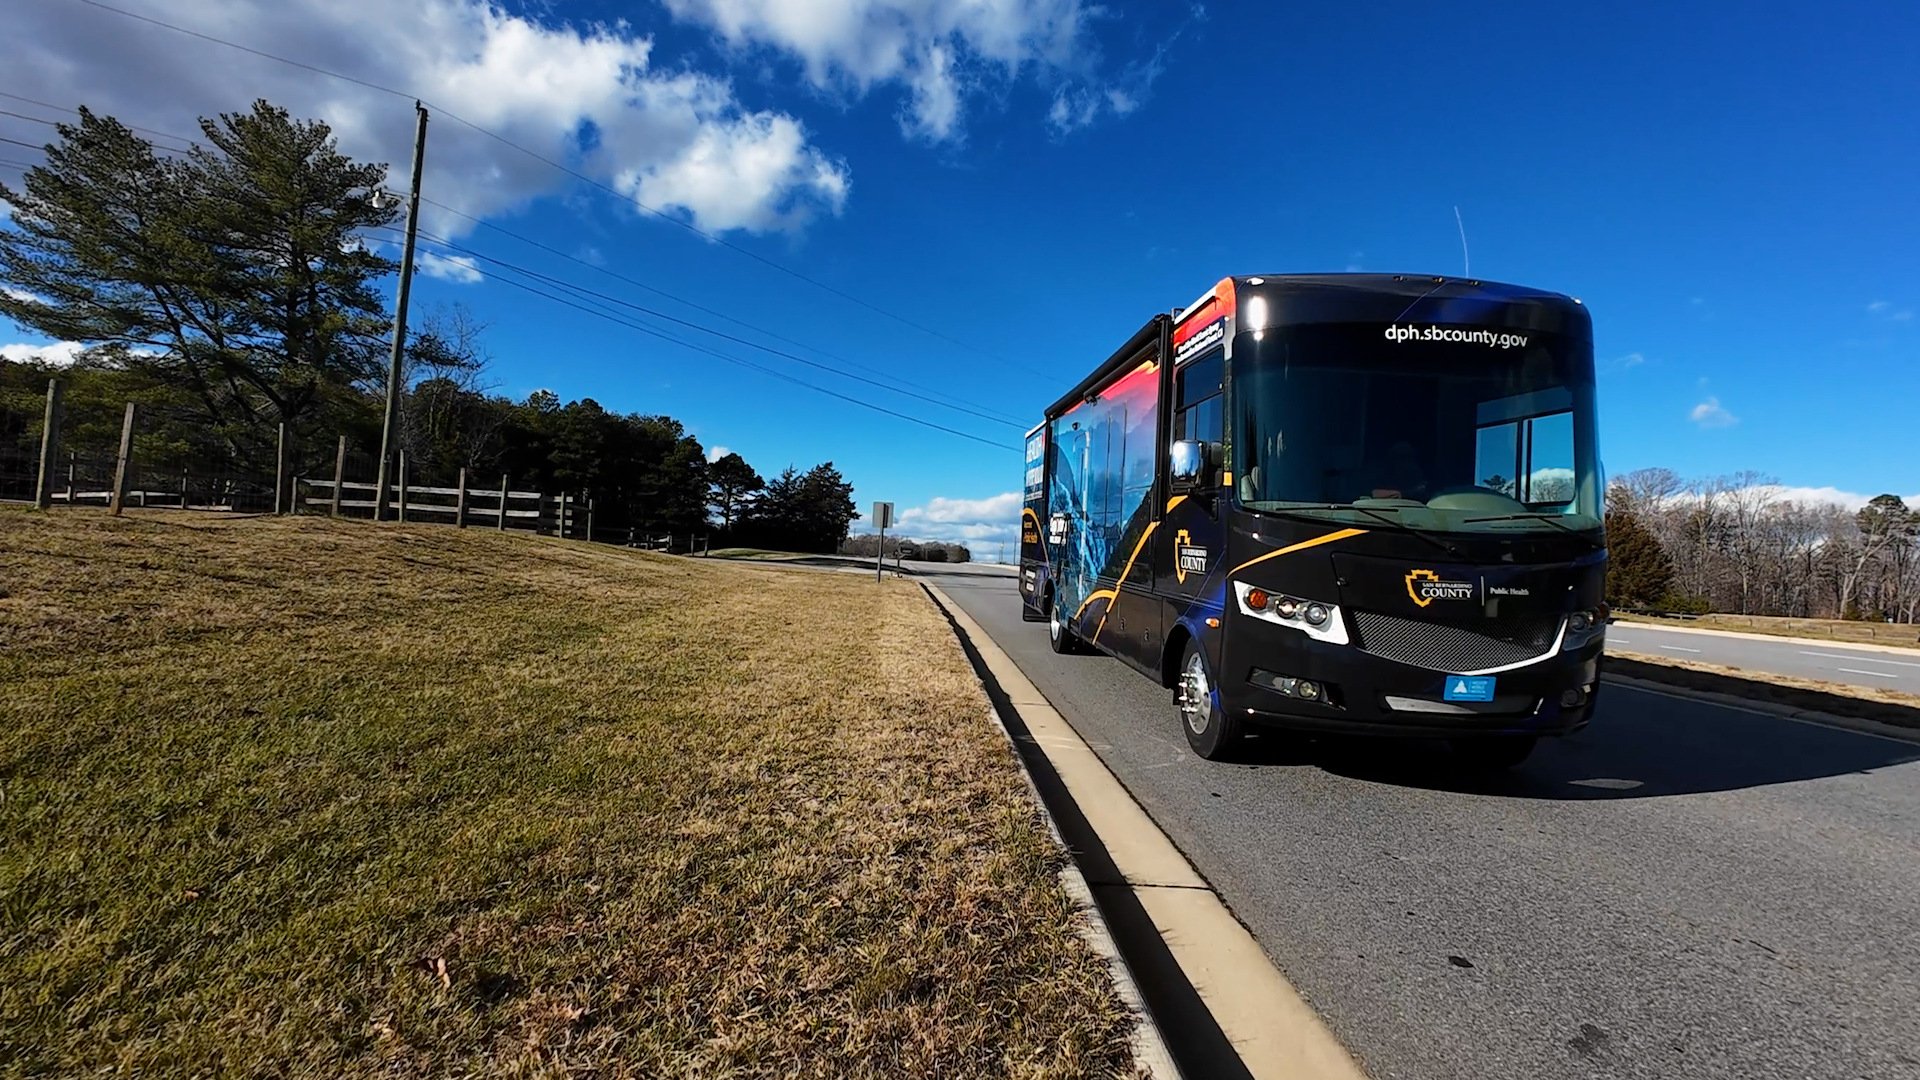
{"x":1425,"y":586}
{"x":1187,"y":559}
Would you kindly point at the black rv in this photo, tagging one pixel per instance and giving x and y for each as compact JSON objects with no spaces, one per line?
{"x":1358,"y":503}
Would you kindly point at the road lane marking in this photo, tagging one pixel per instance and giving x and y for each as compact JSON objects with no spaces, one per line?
{"x":1856,"y":659}
{"x":1857,"y":671}
{"x":1675,"y":648}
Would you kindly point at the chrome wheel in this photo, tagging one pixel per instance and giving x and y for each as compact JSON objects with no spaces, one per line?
{"x":1196,"y":695}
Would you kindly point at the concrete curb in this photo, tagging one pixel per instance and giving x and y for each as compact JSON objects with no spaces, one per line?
{"x":1824,"y":643}
{"x":1237,"y":1014}
{"x":1151,"y":1057}
{"x":1768,"y":708}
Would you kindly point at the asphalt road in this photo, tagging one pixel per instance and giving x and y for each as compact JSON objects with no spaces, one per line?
{"x":1834,"y":663}
{"x":1683,"y":890}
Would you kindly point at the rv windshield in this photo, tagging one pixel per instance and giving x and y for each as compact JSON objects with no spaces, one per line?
{"x":1449,"y":428}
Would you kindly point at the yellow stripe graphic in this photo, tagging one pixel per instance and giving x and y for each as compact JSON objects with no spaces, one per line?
{"x":1113,"y":593}
{"x":1301,"y":546}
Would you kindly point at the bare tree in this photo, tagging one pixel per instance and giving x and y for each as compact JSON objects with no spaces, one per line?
{"x":1746,"y":500}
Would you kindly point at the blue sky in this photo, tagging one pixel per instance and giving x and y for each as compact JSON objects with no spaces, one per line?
{"x":1730,"y":191}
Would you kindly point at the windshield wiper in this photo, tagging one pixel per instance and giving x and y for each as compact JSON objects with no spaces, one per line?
{"x":1378,"y":515}
{"x":1551,"y":519}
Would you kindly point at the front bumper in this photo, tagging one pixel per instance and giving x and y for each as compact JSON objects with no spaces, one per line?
{"x":1371,"y":695}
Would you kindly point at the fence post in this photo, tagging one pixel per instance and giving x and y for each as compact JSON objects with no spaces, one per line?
{"x":280,"y":475}
{"x":503,"y":502}
{"x":183,"y":487}
{"x":589,"y":519}
{"x":403,"y":487}
{"x":460,"y":501}
{"x":120,"y":467}
{"x":73,"y":464}
{"x":49,"y":445}
{"x":339,"y":473}
{"x":562,"y":516}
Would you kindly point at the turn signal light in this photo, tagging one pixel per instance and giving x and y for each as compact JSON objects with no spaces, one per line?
{"x":1257,"y":600}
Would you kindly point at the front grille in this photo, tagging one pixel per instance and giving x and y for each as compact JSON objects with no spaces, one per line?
{"x":1491,"y":643}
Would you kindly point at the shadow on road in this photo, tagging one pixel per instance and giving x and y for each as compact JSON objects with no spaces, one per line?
{"x":1639,"y":746}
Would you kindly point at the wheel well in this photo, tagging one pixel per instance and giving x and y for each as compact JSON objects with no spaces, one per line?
{"x":1176,"y":647}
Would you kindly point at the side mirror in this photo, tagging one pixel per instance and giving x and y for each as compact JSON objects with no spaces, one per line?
{"x":1189,"y":464}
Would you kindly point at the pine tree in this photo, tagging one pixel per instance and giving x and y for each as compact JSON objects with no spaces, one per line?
{"x":234,"y":275}
{"x":734,"y":484}
{"x":1639,"y":571}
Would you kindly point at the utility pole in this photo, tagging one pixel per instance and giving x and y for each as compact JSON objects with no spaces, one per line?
{"x":389,"y":426}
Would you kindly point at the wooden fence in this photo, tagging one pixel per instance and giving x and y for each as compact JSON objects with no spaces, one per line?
{"x":500,"y":506}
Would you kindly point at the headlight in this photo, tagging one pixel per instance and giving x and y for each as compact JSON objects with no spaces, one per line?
{"x":1582,"y":627}
{"x":1319,"y":621}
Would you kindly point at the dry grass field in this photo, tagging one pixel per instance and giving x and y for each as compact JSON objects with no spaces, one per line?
{"x":314,"y":799}
{"x":1900,"y":634}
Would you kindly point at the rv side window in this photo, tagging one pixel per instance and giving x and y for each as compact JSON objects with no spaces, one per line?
{"x":1201,"y":414}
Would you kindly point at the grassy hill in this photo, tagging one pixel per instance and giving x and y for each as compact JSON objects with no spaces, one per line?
{"x":317,"y":798}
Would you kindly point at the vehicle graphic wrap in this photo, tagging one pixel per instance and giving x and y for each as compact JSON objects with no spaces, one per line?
{"x":1102,"y":482}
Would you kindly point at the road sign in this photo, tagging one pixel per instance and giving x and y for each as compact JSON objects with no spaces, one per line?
{"x":882,"y":517}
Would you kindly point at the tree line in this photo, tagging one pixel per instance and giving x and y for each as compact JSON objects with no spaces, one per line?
{"x":1735,"y":544}
{"x":868,"y":545}
{"x":236,"y":288}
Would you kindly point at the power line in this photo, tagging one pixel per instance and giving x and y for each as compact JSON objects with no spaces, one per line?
{"x":575,"y":173}
{"x":594,"y":308}
{"x":974,"y":408}
{"x":631,"y":325}
{"x":56,"y":123}
{"x":17,"y":142}
{"x":724,"y":336}
{"x":637,"y":283}
{"x":64,"y":108}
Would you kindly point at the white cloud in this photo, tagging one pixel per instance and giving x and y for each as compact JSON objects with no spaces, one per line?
{"x":22,"y":295}
{"x":460,"y":269}
{"x":934,"y":111}
{"x":1878,"y":306}
{"x":1849,"y":500}
{"x":59,"y":354}
{"x":982,"y":524}
{"x":1711,"y":414}
{"x":1886,"y":310}
{"x":596,"y":98}
{"x":1632,"y":359}
{"x":942,"y":510}
{"x":715,"y":453}
{"x":939,"y":52}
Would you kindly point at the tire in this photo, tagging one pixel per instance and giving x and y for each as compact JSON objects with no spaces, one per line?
{"x":1495,"y":753}
{"x":1060,"y":635}
{"x":1211,"y":732}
